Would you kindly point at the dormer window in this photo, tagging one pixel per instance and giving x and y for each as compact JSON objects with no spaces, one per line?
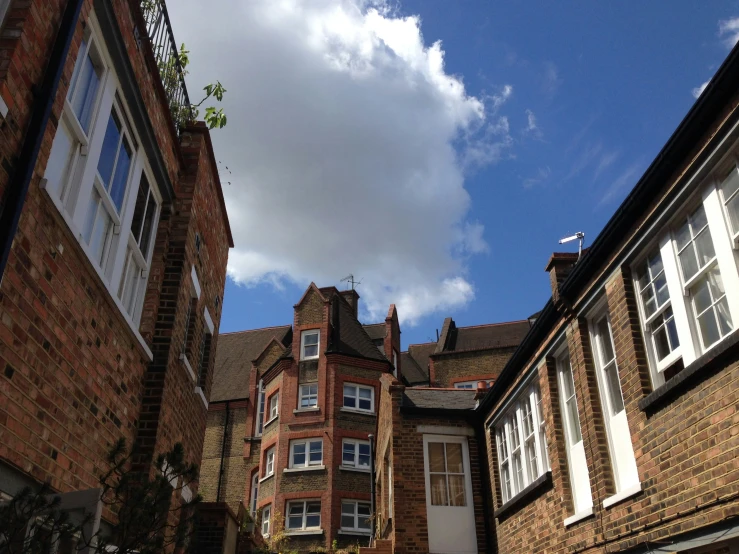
{"x":309,"y":342}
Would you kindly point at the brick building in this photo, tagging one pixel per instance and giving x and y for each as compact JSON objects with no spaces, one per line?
{"x":114,"y":239}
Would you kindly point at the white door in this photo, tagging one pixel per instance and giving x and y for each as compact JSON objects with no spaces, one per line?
{"x":579,"y":477}
{"x":451,"y":515}
{"x":619,"y":437}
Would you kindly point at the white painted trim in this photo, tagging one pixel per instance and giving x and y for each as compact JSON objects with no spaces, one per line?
{"x":300,"y":532}
{"x":306,"y":410}
{"x":263,"y":479}
{"x":579,"y":516}
{"x":623,"y":495}
{"x":186,"y":363}
{"x":270,"y":421}
{"x":201,"y":394}
{"x":305,"y":333}
{"x":195,"y":282}
{"x":354,"y":469}
{"x":356,"y":411}
{"x":208,"y":320}
{"x":302,"y":469}
{"x":446,"y":430}
{"x":355,"y":533}
{"x":3,"y":108}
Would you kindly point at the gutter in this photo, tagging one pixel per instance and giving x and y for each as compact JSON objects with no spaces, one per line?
{"x":17,"y":190}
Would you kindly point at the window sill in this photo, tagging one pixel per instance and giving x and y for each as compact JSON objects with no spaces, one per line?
{"x":579,"y":516}
{"x":302,"y":469}
{"x":355,"y":532}
{"x":311,"y":359}
{"x":623,"y":495}
{"x":270,"y":422}
{"x":186,"y":363}
{"x":263,"y":479}
{"x":537,"y":487}
{"x":357,"y":411}
{"x":702,"y":368}
{"x":103,"y":281}
{"x":201,"y":394}
{"x":307,"y":410}
{"x":354,"y":469}
{"x":298,"y":533}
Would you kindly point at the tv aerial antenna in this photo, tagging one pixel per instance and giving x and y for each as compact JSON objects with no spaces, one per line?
{"x":349,"y":279}
{"x":577,"y":236}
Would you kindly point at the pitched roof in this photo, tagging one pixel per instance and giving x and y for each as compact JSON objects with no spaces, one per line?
{"x":493,"y":335}
{"x":351,"y":337}
{"x":446,"y":399}
{"x":234,"y":355}
{"x":375,"y":331}
{"x":412,"y":374}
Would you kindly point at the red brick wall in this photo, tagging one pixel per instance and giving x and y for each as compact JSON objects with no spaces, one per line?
{"x":74,"y":376}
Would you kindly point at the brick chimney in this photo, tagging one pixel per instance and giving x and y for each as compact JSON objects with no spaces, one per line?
{"x":559,"y":266}
{"x":352,"y":297}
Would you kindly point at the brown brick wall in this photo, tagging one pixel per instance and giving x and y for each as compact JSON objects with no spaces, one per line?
{"x":450,"y":368}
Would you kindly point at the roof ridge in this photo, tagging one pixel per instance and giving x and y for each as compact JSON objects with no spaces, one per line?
{"x":252,"y":330}
{"x":421,"y":344}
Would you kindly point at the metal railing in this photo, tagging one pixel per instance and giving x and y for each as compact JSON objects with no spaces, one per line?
{"x":167,"y":57}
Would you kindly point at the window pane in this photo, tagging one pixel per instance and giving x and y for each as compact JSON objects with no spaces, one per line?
{"x":363,"y":510}
{"x":58,"y":164}
{"x":364,"y":455}
{"x":709,"y":329}
{"x":316,"y":452}
{"x":672,"y":333}
{"x":701,"y":296}
{"x":688,"y":263}
{"x":456,"y":491}
{"x":139,"y":210}
{"x":663,"y":294}
{"x":350,"y":400}
{"x":732,"y":207}
{"x":704,"y":247}
{"x":85,"y":90}
{"x":313,"y":521}
{"x":347,"y":521}
{"x":604,"y":335}
{"x":506,"y":483}
{"x":110,"y":149}
{"x":310,"y":351}
{"x":103,"y":225}
{"x":661,"y":343}
{"x":118,"y":186}
{"x":148,"y":230}
{"x":454,"y":458}
{"x":614,"y":388}
{"x":436,"y":457}
{"x":518,"y":471}
{"x":574,"y":419}
{"x":724,"y":319}
{"x":531,"y":459}
{"x":682,"y":236}
{"x":295,"y":522}
{"x":365,"y":393}
{"x":311,"y":339}
{"x":438,"y":490}
{"x":348,"y":453}
{"x":365,"y":404}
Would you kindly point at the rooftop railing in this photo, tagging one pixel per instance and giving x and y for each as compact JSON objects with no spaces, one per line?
{"x":167,"y":57}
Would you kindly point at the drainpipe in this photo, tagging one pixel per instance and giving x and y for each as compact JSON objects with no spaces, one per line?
{"x":372,"y":485}
{"x":20,"y":179}
{"x":223,"y":453}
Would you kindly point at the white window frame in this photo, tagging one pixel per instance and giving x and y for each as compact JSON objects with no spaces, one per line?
{"x":261,"y":400}
{"x":266,"y":517}
{"x":466,"y":385}
{"x":390,"y":486}
{"x":522,"y":454}
{"x":730,"y":198}
{"x":71,"y":175}
{"x":357,"y":387}
{"x":354,"y":505}
{"x":307,"y":395}
{"x":274,"y":406}
{"x":307,"y":444}
{"x":682,"y":291}
{"x":582,"y":498}
{"x":356,"y":444}
{"x":254,"y":493}
{"x":269,"y":462}
{"x":304,"y":526}
{"x":303,"y":336}
{"x":620,"y":446}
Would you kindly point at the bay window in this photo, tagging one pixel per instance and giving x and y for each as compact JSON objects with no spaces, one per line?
{"x":98,"y":177}
{"x":309,"y":343}
{"x":308,"y":396}
{"x":522,"y":450}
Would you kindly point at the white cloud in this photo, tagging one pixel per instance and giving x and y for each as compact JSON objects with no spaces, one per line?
{"x":347,"y":142}
{"x":697,"y":91}
{"x":542,"y":174}
{"x":626,"y":179}
{"x":728,"y":30}
{"x":532,"y":128}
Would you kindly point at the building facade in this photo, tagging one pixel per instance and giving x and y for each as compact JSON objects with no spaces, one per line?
{"x":115,"y":241}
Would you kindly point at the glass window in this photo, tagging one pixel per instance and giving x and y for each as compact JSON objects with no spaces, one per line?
{"x":359,"y":397}
{"x":522,"y":455}
{"x":274,"y":404}
{"x":260,"y":409}
{"x":85,"y":84}
{"x":266,"y":516}
{"x":309,"y":343}
{"x":606,"y":359}
{"x":303,"y":515}
{"x":730,"y":193}
{"x":446,"y":474}
{"x":269,"y":468}
{"x":356,"y":453}
{"x":309,"y":395}
{"x":306,"y":453}
{"x":355,"y":516}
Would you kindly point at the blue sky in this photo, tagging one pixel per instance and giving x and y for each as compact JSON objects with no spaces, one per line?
{"x":578,"y":99}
